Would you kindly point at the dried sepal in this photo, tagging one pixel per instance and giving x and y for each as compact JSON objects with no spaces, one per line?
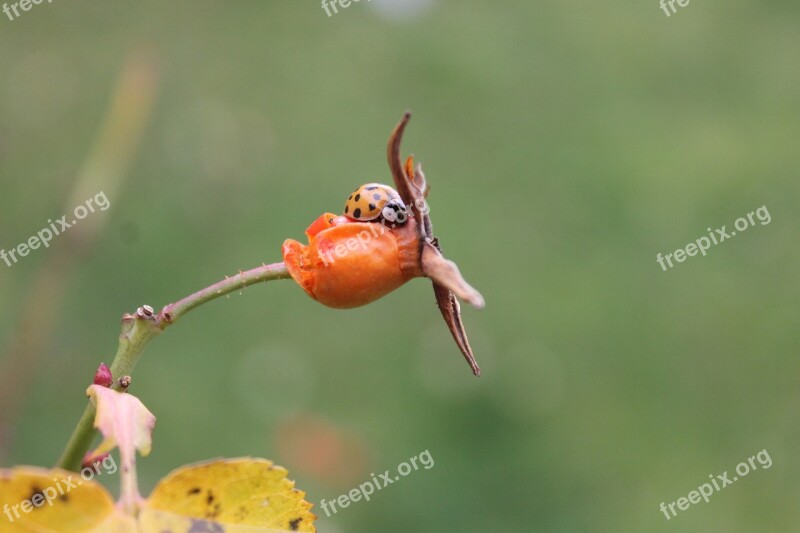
{"x":401,"y":182}
{"x":451,"y":312}
{"x":446,"y":273}
{"x":448,"y":282}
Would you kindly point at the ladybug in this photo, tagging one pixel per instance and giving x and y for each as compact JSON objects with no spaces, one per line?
{"x":373,"y":201}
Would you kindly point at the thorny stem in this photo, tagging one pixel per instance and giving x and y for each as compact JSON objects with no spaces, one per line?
{"x":138,"y":329}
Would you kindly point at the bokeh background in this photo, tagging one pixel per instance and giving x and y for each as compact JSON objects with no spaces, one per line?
{"x":567,"y":143}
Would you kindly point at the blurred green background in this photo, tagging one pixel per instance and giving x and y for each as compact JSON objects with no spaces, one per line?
{"x":566,"y":144}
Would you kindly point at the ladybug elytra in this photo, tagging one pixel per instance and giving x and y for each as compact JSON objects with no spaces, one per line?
{"x":373,"y":201}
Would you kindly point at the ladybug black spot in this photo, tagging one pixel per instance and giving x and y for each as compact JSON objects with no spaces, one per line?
{"x":372,"y":207}
{"x":346,"y":209}
{"x":358,"y":197}
{"x":356,"y":213}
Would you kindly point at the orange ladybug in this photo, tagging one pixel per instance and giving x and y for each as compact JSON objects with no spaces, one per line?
{"x":373,"y":201}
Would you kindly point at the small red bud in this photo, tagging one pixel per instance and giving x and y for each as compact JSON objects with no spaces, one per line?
{"x":103,"y":376}
{"x":90,"y":460}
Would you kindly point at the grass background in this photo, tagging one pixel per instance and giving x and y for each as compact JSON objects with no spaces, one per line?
{"x":566,"y":144}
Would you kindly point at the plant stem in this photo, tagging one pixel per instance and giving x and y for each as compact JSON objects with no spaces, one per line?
{"x":138,"y":329}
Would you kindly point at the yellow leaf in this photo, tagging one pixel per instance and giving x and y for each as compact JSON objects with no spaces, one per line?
{"x":66,"y":503}
{"x":232,"y":495}
{"x":152,"y":521}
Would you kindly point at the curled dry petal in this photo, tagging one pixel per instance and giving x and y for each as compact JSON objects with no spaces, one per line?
{"x":125,"y":424}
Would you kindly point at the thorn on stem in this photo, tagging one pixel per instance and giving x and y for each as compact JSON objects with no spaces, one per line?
{"x":124,"y":383}
{"x":145,"y":312}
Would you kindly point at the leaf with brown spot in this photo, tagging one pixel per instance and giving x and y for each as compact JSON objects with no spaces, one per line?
{"x":231,"y":495}
{"x":86,"y":506}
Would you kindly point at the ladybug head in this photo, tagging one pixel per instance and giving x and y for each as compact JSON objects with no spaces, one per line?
{"x":395,"y":211}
